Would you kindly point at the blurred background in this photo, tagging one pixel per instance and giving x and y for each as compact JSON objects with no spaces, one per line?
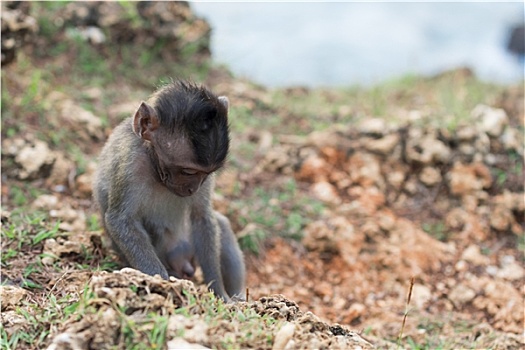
{"x":362,"y":43}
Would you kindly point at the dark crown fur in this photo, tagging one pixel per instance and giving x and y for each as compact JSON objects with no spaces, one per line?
{"x":184,"y":107}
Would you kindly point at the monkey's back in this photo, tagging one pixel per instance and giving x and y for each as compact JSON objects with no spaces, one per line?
{"x":113,"y":158}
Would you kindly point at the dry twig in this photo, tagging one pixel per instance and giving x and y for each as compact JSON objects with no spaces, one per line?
{"x":406,"y":311}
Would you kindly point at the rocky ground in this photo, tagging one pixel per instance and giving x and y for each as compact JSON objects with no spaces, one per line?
{"x":344,"y":201}
{"x":408,"y":202}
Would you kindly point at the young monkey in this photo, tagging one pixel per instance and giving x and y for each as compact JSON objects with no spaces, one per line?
{"x":154,"y":184}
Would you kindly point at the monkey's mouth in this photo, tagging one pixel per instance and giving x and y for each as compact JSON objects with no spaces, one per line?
{"x":183,"y":194}
{"x":179,"y":191}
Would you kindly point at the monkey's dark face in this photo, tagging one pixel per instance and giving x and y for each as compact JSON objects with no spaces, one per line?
{"x":182,"y":181}
{"x":186,"y":128}
{"x":176,"y":169}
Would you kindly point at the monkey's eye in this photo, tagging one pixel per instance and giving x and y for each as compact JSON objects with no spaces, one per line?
{"x":188,"y":172}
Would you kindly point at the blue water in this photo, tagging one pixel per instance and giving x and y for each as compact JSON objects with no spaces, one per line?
{"x":327,"y":44}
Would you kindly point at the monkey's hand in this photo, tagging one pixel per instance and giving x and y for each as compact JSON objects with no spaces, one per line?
{"x":237,"y":298}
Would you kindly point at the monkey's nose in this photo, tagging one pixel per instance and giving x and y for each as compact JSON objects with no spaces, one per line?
{"x":190,"y":191}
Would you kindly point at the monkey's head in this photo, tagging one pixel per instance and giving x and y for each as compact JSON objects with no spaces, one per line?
{"x":185,"y":128}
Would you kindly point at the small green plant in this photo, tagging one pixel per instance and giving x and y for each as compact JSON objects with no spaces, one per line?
{"x":9,"y":341}
{"x":501,"y":177}
{"x":33,"y":88}
{"x":294,"y":223}
{"x":157,"y":336}
{"x":45,"y":234}
{"x":108,"y":265}
{"x":131,"y":13}
{"x":438,"y":230}
{"x":18,"y":196}
{"x":79,"y":157}
{"x":148,"y":56}
{"x":252,"y":241}
{"x":93,"y":223}
{"x":8,"y":255}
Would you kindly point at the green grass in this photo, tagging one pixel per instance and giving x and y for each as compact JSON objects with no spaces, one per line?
{"x":253,"y":240}
{"x":46,"y":316}
{"x":150,"y":330}
{"x":252,"y":327}
{"x":21,"y":229}
{"x":241,"y":118}
{"x":45,"y":233}
{"x":316,"y":110}
{"x":432,"y":337}
{"x":427,"y":345}
{"x":39,"y":322}
{"x":23,"y":193}
{"x":22,"y":234}
{"x":131,"y":14}
{"x":281,"y":210}
{"x":93,"y":223}
{"x":30,"y":104}
{"x":300,"y":112}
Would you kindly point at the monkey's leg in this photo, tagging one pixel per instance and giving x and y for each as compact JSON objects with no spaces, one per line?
{"x":134,"y":244}
{"x":232,"y":261}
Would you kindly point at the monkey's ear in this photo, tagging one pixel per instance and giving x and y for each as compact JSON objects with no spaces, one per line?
{"x":145,"y":121}
{"x":225,"y":102}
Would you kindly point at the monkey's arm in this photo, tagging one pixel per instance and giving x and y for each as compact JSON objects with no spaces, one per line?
{"x":133,"y":242}
{"x":206,"y":242}
{"x":208,"y":253}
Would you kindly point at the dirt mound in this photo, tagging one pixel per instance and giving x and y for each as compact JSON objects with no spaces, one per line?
{"x":117,"y":311}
